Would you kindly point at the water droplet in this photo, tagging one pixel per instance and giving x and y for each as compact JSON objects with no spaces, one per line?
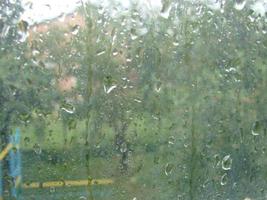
{"x":216,"y":160}
{"x":67,"y":107}
{"x":231,"y":69}
{"x":134,"y":35}
{"x":27,"y":140}
{"x":171,"y":140}
{"x":25,"y":117}
{"x":62,"y":17}
{"x":227,"y":162}
{"x":115,"y":52}
{"x":108,"y":90}
{"x":101,"y":52}
{"x":224,"y":179}
{"x":259,"y":8}
{"x":175,"y":43}
{"x":52,"y":189}
{"x":138,"y":100}
{"x":123,"y":148}
{"x":35,"y":52}
{"x":240,"y":4}
{"x":5,"y":31}
{"x":37,"y":149}
{"x":75,"y":30}
{"x":23,"y":36}
{"x":166,"y":8}
{"x":158,"y":87}
{"x":257,"y":128}
{"x":168,"y":168}
{"x":128,"y":60}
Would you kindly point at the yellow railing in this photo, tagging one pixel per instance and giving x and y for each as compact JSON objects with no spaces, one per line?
{"x":68,"y":183}
{"x":5,"y":152}
{"x":49,"y":184}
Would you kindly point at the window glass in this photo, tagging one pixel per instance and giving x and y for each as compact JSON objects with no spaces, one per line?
{"x":131,"y":99}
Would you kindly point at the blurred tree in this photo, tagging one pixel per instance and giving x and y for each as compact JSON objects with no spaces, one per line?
{"x":24,"y":83}
{"x":191,"y":81}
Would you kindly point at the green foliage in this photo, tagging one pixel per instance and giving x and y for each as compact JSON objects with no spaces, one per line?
{"x":25,"y":83}
{"x":200,"y":81}
{"x":181,"y":96}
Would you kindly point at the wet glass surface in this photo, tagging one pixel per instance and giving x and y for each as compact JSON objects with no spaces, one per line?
{"x":151,"y":100}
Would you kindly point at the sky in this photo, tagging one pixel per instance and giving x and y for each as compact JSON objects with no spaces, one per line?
{"x":39,"y":10}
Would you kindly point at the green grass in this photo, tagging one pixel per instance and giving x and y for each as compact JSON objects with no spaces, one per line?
{"x":49,"y":158}
{"x":143,"y":176}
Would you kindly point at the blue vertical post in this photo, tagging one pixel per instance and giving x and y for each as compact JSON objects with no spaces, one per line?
{"x":1,"y":181}
{"x":15,"y":163}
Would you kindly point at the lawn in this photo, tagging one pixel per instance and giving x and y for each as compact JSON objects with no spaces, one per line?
{"x":53,"y":159}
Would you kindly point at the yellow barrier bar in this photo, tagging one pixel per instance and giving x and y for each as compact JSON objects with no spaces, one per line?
{"x":53,"y":184}
{"x":5,"y":152}
{"x":32,"y":185}
{"x":102,"y":181}
{"x":70,"y":183}
{"x":77,"y":183}
{"x":1,"y":198}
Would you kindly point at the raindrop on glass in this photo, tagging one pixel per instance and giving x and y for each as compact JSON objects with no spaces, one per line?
{"x":168,"y":168}
{"x":165,"y":10}
{"x":37,"y":149}
{"x":224,"y":179}
{"x":27,"y":140}
{"x":240,"y":4}
{"x":171,"y":140}
{"x":109,"y":89}
{"x":256,"y":128}
{"x":134,"y":35}
{"x":5,"y":31}
{"x":216,"y":160}
{"x":52,"y":189}
{"x":227,"y":162}
{"x":67,"y":107}
{"x":175,"y":43}
{"x":75,"y":30}
{"x":123,"y":148}
{"x":101,"y":52}
{"x":115,"y":52}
